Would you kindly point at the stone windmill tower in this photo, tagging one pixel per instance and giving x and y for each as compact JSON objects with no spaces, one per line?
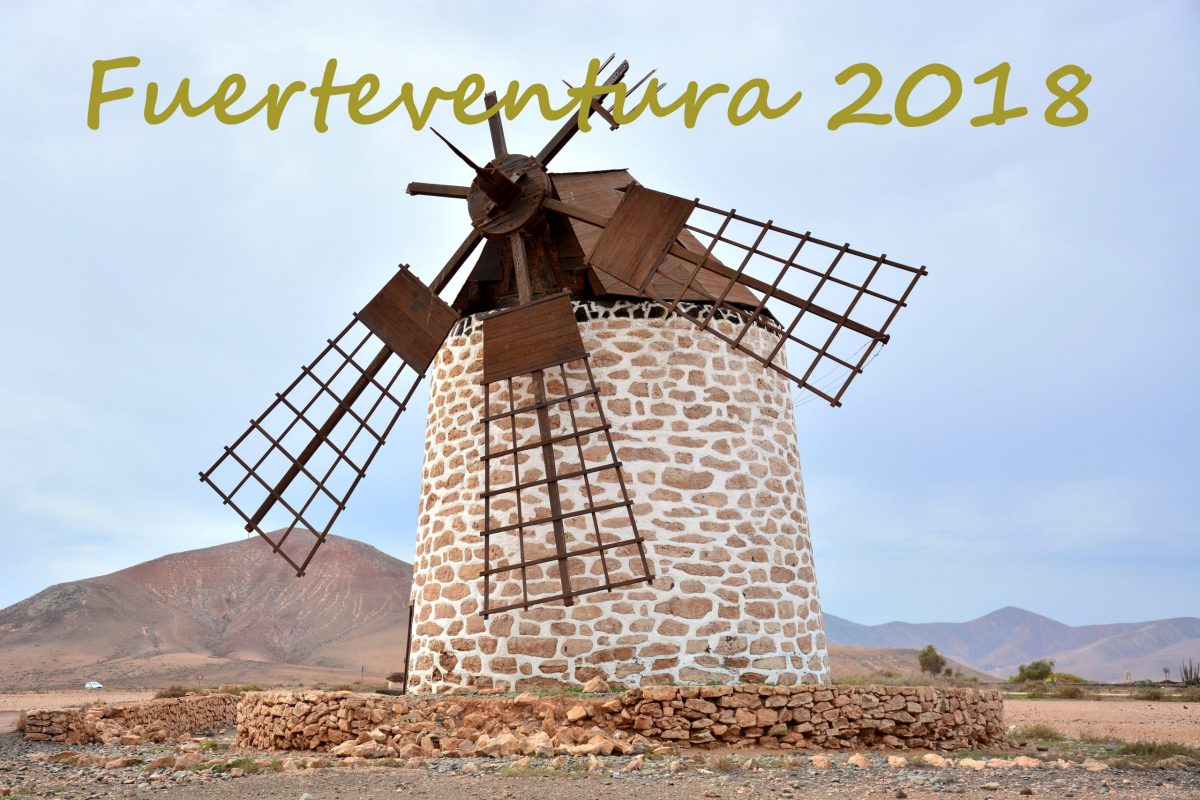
{"x":612,"y":482}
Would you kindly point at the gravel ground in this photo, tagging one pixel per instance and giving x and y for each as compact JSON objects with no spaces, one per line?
{"x":688,"y":777}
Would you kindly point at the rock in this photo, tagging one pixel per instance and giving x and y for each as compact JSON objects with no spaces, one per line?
{"x":859,"y":760}
{"x":1000,"y":763}
{"x":971,"y":763}
{"x":344,"y":749}
{"x":991,"y":787}
{"x":122,"y":762}
{"x":634,"y":764}
{"x":538,"y":744}
{"x":897,"y":762}
{"x":658,"y":694}
{"x":1091,"y":765}
{"x":577,"y":713}
{"x":934,"y":760}
{"x":1026,"y":791}
{"x":596,"y":684}
{"x":899,"y":794}
{"x":471,"y":768}
{"x":306,"y":796}
{"x":166,"y":761}
{"x":820,"y":762}
{"x":675,"y":766}
{"x":65,"y":755}
{"x":236,"y":772}
{"x":524,"y":699}
{"x":1026,"y":761}
{"x":594,"y":764}
{"x":416,"y":763}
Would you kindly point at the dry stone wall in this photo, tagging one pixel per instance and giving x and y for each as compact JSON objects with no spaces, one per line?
{"x":654,"y":718}
{"x":708,"y":445}
{"x":133,"y":723}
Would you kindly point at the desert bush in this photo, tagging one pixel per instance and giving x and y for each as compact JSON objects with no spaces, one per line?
{"x":1147,"y":693}
{"x":1066,"y":677}
{"x":1156,"y":749}
{"x":1043,"y":733}
{"x":1190,"y":695}
{"x":931,"y":661}
{"x":171,"y":691}
{"x":1035,"y":689}
{"x":1071,"y":692}
{"x":395,"y":677}
{"x":1040,"y":670}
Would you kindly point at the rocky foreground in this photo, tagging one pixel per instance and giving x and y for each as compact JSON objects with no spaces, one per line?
{"x":212,"y":768}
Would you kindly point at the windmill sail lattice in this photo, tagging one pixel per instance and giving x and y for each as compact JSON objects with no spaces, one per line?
{"x":833,"y":302}
{"x":558,"y":519}
{"x":290,"y":473}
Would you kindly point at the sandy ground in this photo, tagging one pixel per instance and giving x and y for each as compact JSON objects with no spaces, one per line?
{"x":1131,"y":720}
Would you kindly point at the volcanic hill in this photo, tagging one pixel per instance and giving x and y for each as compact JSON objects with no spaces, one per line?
{"x":231,"y":613}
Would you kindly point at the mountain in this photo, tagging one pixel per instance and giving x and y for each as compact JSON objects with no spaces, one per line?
{"x":233,"y":613}
{"x":997,"y":643}
{"x":236,"y":613}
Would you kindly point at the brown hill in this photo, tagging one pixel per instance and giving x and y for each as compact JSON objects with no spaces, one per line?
{"x":847,"y":661}
{"x":998,"y":642}
{"x":234,"y":613}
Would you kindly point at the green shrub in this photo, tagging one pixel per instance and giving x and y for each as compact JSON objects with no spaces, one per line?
{"x":931,"y":661}
{"x":1070,"y":692}
{"x":1040,"y":670}
{"x":171,"y":691}
{"x":1066,"y":677}
{"x":1190,"y":695}
{"x":1148,"y":693}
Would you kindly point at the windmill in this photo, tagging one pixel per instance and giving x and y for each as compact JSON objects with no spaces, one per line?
{"x":558,"y":518}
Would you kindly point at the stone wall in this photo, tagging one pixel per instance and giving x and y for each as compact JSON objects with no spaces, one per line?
{"x":707,"y":440}
{"x":639,"y":720}
{"x":133,"y":723}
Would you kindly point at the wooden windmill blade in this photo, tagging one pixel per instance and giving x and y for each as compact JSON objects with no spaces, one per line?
{"x":762,"y":286}
{"x":290,"y":474}
{"x":558,"y":519}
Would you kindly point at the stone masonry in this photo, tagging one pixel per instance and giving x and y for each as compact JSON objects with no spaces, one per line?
{"x":651,"y":719}
{"x":707,"y":440}
{"x":132,"y":723}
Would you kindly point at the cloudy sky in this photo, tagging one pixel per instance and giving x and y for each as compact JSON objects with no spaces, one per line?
{"x":1029,"y":438}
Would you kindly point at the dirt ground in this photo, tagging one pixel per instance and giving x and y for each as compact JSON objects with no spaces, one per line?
{"x":1131,"y":720}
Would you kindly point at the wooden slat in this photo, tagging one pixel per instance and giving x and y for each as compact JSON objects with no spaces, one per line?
{"x":637,"y":237}
{"x":538,"y":335}
{"x":600,"y":193}
{"x":410,"y":319}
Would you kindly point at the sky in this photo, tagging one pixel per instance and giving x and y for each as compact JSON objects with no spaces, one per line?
{"x":1028,"y":438}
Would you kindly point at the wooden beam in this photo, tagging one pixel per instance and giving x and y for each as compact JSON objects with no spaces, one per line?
{"x":438,"y":190}
{"x":559,"y":140}
{"x":459,"y":258}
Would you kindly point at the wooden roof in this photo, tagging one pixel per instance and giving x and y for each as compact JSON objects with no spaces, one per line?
{"x":600,"y":193}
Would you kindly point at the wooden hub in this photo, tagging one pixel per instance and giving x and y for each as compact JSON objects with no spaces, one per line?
{"x":496,"y":219}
